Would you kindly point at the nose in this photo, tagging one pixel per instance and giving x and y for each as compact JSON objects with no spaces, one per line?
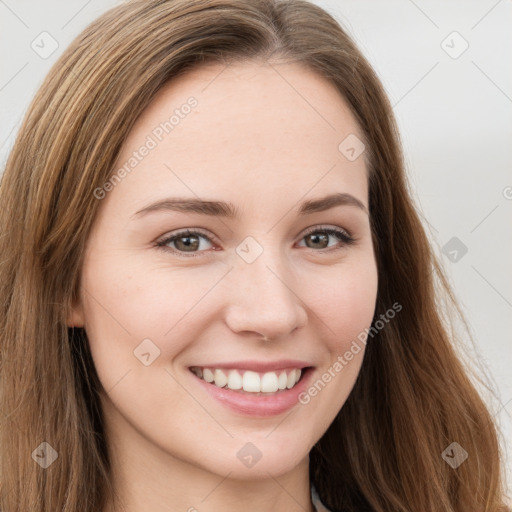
{"x":263,"y":299}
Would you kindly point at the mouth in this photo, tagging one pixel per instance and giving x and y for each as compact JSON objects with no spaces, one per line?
{"x":254,"y":389}
{"x":251,"y":382}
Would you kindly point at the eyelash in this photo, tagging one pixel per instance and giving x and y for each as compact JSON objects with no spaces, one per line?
{"x":343,"y":235}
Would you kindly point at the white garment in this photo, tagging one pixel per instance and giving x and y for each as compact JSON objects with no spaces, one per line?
{"x":316,"y":501}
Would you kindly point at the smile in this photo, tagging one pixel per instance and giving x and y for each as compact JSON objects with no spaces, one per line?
{"x":249,"y":381}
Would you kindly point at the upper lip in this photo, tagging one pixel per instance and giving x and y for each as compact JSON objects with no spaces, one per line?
{"x":257,"y":366}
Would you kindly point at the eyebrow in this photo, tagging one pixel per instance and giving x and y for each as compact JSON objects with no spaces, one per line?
{"x":228,"y":210}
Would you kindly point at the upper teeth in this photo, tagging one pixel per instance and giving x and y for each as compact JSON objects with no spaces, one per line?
{"x":248,"y":380}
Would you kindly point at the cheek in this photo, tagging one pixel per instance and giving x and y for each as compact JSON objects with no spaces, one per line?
{"x":344,"y":305}
{"x":344,"y":299}
{"x":132,"y":310}
{"x":127,"y":302}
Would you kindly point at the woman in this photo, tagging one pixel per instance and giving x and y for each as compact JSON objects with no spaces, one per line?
{"x":216,"y":291}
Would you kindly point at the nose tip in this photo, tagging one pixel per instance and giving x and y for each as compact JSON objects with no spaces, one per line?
{"x":264,"y":303}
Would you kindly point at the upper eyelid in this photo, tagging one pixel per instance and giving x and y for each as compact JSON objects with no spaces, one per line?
{"x":186,"y":231}
{"x":321,"y":227}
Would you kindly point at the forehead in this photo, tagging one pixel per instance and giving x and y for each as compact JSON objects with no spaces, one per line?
{"x":254,"y":126}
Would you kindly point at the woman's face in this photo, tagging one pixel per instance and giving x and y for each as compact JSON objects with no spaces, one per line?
{"x":249,"y":157}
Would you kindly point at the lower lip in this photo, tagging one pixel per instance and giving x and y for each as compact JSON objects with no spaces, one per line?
{"x":258,"y":405}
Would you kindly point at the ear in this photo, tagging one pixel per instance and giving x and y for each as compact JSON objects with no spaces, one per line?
{"x":76,"y":316}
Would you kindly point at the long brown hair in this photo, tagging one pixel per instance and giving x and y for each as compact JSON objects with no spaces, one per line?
{"x":413,"y":396}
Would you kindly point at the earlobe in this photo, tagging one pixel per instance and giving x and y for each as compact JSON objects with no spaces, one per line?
{"x":75,"y":317}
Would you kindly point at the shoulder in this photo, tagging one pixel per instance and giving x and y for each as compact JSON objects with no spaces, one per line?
{"x":316,"y":501}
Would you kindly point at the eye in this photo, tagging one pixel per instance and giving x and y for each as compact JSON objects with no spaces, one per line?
{"x":318,"y":237}
{"x":186,"y":241}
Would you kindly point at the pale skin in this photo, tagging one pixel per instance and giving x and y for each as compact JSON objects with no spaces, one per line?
{"x":255,"y":142}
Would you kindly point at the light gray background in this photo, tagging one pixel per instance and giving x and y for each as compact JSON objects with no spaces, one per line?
{"x":454,"y":113}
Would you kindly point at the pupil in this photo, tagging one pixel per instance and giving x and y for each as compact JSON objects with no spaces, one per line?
{"x":189,"y":241}
{"x":317,"y":238}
